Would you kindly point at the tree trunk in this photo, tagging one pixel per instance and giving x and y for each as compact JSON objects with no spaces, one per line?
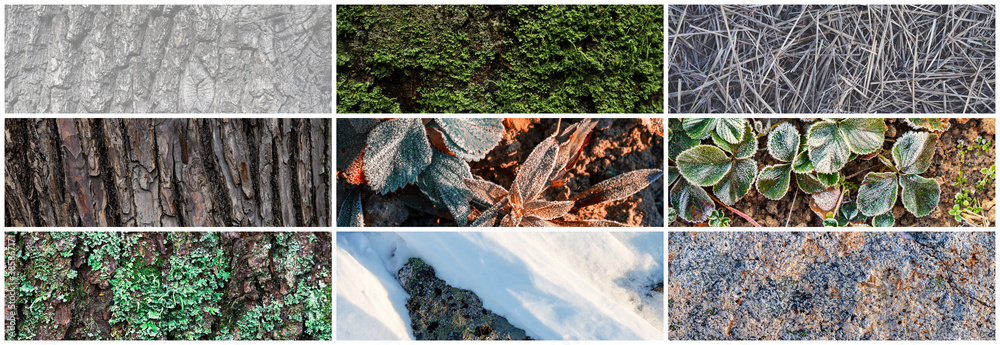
{"x":156,"y":285}
{"x":167,"y":172}
{"x":168,"y":59}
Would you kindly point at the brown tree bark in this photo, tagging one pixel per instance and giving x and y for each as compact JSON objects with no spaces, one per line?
{"x":167,"y":172}
{"x":158,"y":285}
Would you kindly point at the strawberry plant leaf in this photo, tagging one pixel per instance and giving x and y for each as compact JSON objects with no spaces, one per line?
{"x":884,"y":220}
{"x":397,"y":152}
{"x":933,"y":125}
{"x":783,"y":142}
{"x":471,"y":138}
{"x":700,"y":128}
{"x":692,"y":202}
{"x":729,"y":129}
{"x":913,"y":152}
{"x":737,"y":182}
{"x":828,"y":149}
{"x":809,"y":184}
{"x":828,"y":179}
{"x":773,"y":181}
{"x":746,"y":148}
{"x":443,"y":183}
{"x":802,"y":164}
{"x":679,"y":142}
{"x":863,"y":135}
{"x":672,"y":175}
{"x":351,"y":214}
{"x":704,"y":165}
{"x":877,"y":193}
{"x":920,"y":195}
{"x":352,"y":136}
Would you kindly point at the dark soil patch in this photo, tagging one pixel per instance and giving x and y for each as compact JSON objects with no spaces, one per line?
{"x":793,"y":209}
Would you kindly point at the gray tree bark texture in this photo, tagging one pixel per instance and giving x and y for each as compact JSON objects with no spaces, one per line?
{"x":168,"y":59}
{"x":167,"y":172}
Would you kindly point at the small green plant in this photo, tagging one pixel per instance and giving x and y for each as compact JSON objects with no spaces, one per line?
{"x":911,"y":156}
{"x":967,"y":207}
{"x":718,"y":219}
{"x":523,"y":204}
{"x":433,"y":154}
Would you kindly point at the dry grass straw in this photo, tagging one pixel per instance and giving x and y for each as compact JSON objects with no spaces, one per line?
{"x":831,"y":59}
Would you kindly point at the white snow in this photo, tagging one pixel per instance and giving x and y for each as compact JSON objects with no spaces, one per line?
{"x":554,"y":285}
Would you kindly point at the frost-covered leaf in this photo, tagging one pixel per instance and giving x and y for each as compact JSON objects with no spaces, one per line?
{"x":933,"y":125}
{"x":571,"y":143}
{"x":737,"y":182}
{"x":828,"y":149}
{"x":397,"y":152}
{"x":672,"y":175}
{"x":864,"y":135}
{"x":783,"y":142}
{"x":913,"y":152}
{"x":885,"y":220}
{"x":351,"y":214}
{"x":511,"y":220}
{"x":826,"y":201}
{"x":802,"y":164}
{"x":603,"y":223}
{"x":547,"y":210}
{"x":671,"y":215}
{"x":773,"y":181}
{"x":471,"y":138}
{"x":729,"y":129}
{"x":485,"y":192}
{"x":444,"y":183}
{"x":692,"y":202}
{"x":828,"y":179}
{"x":488,"y":217}
{"x":534,"y":221}
{"x":809,"y":184}
{"x":352,"y":136}
{"x":877,"y":193}
{"x":532,"y":176}
{"x":679,"y":142}
{"x":618,"y":187}
{"x":920,"y":195}
{"x":704,"y":165}
{"x":437,"y":139}
{"x":746,"y":148}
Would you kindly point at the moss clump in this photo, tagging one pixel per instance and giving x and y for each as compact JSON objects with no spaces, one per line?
{"x":500,"y":59}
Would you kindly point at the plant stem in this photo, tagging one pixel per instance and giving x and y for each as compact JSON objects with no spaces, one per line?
{"x":738,"y":213}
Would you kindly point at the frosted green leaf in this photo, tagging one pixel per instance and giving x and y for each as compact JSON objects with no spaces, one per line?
{"x":783,"y":142}
{"x":471,"y":138}
{"x":671,"y":215}
{"x":743,"y":149}
{"x":920,"y":195}
{"x":352,"y":136}
{"x":809,"y":184}
{"x":828,"y":149}
{"x":350,"y":212}
{"x":729,"y":129}
{"x":672,"y":175}
{"x":679,"y":142}
{"x":704,"y":165}
{"x":773,"y":181}
{"x":692,"y":202}
{"x":618,"y":187}
{"x":913,"y":152}
{"x":802,"y":164}
{"x":397,"y":152}
{"x":699,"y":128}
{"x":933,"y":125}
{"x":828,"y":179}
{"x":877,"y":193}
{"x":532,"y":176}
{"x":444,"y":183}
{"x":737,"y":183}
{"x":885,"y":220}
{"x":863,"y":135}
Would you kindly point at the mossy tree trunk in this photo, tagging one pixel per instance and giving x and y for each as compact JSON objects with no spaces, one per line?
{"x":167,"y":172}
{"x":157,"y":285}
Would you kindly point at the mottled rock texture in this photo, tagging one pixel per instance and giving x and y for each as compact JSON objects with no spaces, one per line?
{"x":439,"y":311}
{"x":168,"y":59}
{"x":831,"y":285}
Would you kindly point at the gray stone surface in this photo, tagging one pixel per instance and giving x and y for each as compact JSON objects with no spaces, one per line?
{"x":831,"y":285}
{"x":439,"y":311}
{"x":168,"y":59}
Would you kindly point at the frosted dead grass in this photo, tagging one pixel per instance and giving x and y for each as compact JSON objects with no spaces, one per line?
{"x":832,"y":59}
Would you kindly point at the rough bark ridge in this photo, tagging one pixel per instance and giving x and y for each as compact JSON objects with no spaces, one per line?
{"x":168,"y":59}
{"x":167,"y":172}
{"x":155,"y":285}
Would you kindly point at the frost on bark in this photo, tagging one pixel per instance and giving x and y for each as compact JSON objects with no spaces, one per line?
{"x":167,"y":172}
{"x":165,"y":286}
{"x":168,"y":59}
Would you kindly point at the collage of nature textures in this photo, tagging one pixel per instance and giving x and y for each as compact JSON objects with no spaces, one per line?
{"x":877,"y":164}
